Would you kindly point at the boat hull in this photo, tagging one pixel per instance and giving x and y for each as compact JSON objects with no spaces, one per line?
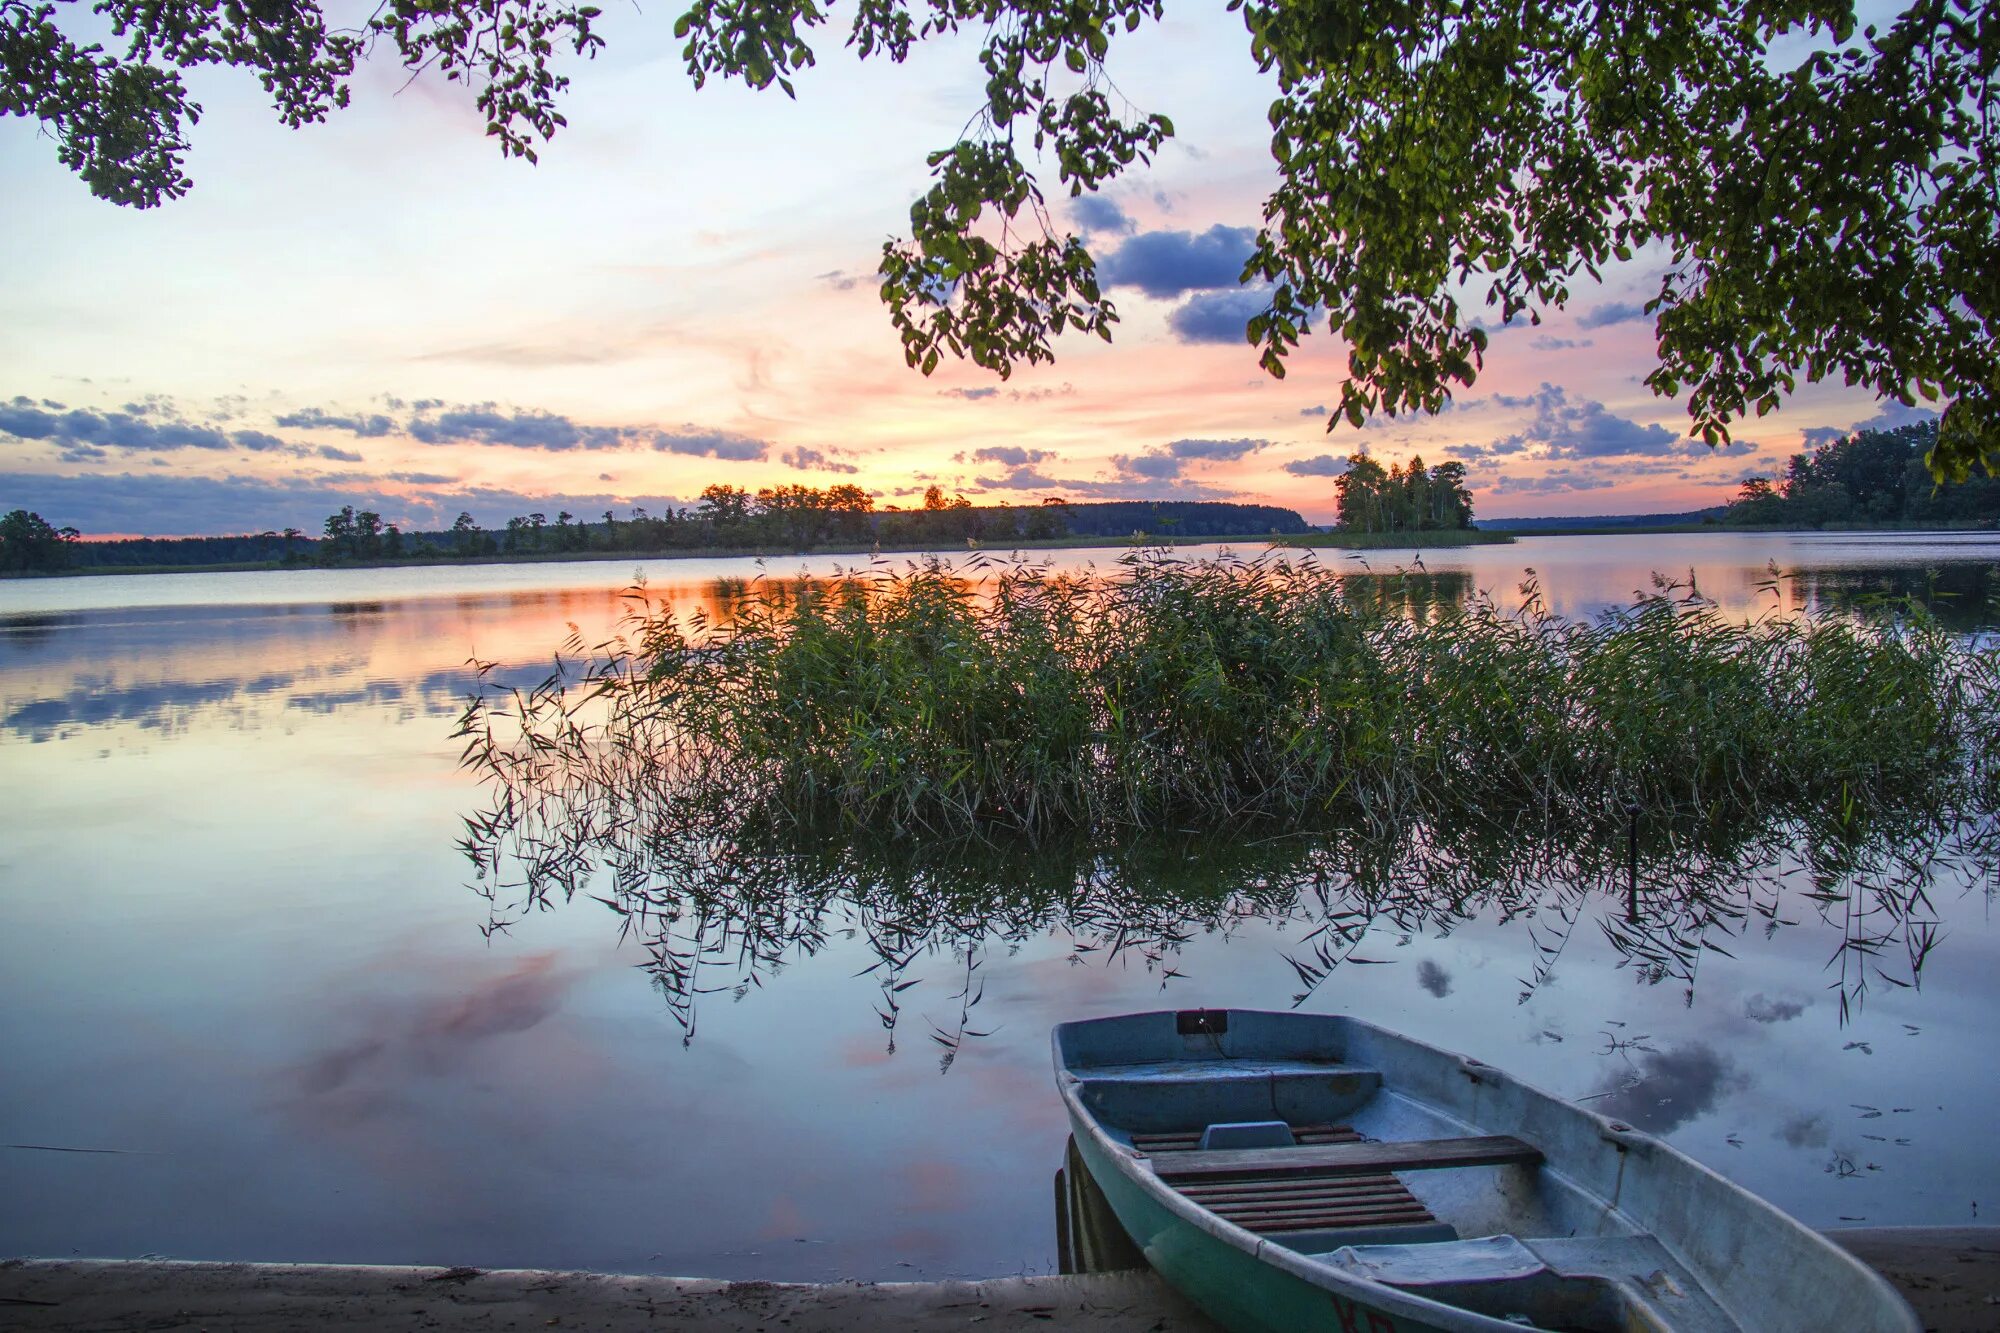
{"x":1641,"y":1235}
{"x":1232,"y":1286}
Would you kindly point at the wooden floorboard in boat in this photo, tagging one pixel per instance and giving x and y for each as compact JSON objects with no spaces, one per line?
{"x":1296,"y":1203}
{"x":1277,"y":1198}
{"x":1281,"y":1209}
{"x":1307,"y":1220}
{"x":1348,"y":1159}
{"x":1280,"y":1184}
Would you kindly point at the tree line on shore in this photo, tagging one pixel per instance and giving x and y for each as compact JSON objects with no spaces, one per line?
{"x":727,"y":518}
{"x":787,"y":517}
{"x":1871,"y":476}
{"x":28,"y":541}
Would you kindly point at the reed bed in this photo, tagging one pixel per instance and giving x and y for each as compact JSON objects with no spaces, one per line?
{"x":915,"y":701}
{"x":935,"y":758}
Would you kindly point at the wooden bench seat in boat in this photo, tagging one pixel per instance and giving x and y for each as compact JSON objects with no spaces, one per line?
{"x":1348,"y":1159}
{"x":1343,"y":1209}
{"x":1209,"y":1071}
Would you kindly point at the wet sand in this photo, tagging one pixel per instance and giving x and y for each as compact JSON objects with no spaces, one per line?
{"x":1951,"y":1275}
{"x":113,"y":1296}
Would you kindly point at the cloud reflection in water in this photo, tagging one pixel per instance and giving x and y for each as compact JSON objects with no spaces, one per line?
{"x":1669,"y":1088}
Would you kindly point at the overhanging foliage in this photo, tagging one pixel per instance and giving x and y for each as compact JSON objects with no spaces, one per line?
{"x":1824,"y":202}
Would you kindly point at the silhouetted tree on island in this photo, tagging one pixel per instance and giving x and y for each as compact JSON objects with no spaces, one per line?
{"x":1403,"y":499}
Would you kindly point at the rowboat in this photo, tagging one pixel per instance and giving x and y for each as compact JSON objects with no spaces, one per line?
{"x":1291,"y":1172}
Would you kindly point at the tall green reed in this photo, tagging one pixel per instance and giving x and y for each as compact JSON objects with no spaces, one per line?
{"x":924,"y":700}
{"x":940,"y":756}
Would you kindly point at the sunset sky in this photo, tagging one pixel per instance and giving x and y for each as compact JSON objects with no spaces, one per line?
{"x":381,"y":311}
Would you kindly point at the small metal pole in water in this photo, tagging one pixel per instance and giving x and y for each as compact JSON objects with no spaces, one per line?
{"x":1632,"y":862}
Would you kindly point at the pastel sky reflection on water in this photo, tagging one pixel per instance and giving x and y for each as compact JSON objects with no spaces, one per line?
{"x":240,"y":950}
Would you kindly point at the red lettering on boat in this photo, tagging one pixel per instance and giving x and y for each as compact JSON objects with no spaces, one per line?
{"x":1350,"y":1314}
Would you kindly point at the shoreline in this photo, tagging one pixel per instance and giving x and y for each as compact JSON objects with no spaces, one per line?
{"x":1437,"y":539}
{"x":1300,"y":540}
{"x":90,"y":1296}
{"x":598,"y":557}
{"x":1950,"y":1275}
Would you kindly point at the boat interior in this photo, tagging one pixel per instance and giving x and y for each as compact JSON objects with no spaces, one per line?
{"x":1332,"y":1160}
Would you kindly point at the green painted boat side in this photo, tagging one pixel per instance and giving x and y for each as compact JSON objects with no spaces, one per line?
{"x":1598,"y":1181}
{"x":1231,"y":1285}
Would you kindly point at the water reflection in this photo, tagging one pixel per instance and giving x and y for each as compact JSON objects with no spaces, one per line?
{"x":338,"y":1089}
{"x":158,"y":667}
{"x":1089,"y":1236}
{"x":1964,"y":597}
{"x":723,"y":907}
{"x":725,"y":913}
{"x":239,"y":945}
{"x":1761,"y":1008}
{"x":19,"y":632}
{"x":1661,"y":1090}
{"x":1962,"y":594}
{"x":1819,"y":769}
{"x":160,"y":670}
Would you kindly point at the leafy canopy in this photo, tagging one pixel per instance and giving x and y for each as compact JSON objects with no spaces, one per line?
{"x":1824,"y":202}
{"x":29,"y":541}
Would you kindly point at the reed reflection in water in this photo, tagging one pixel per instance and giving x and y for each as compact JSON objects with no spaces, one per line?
{"x":728,"y":913}
{"x":1680,"y":782}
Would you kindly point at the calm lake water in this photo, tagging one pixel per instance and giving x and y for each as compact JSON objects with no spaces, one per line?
{"x":243,"y":977}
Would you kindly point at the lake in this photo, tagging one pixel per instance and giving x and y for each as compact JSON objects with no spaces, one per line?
{"x":251,"y":1006}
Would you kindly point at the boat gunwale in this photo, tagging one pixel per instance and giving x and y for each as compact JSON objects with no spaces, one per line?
{"x":1615,"y":1135}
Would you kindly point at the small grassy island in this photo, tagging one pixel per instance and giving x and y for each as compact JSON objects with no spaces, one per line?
{"x":1424,"y":539}
{"x":1404,"y":507}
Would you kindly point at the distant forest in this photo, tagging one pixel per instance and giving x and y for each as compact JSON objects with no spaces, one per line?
{"x":28,"y":541}
{"x":728,"y":518}
{"x":1872,"y":476}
